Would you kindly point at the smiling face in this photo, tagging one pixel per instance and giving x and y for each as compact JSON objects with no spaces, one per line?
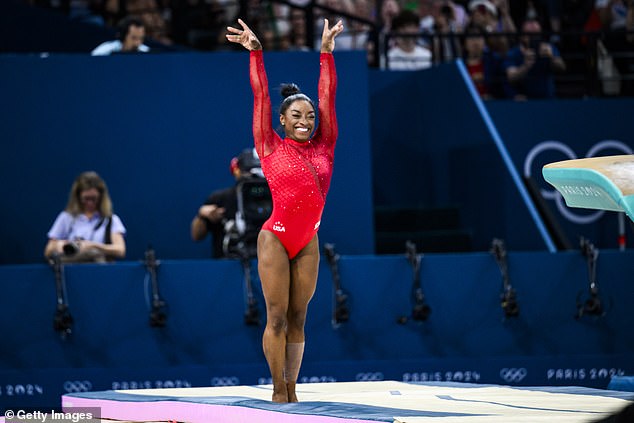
{"x":298,"y":120}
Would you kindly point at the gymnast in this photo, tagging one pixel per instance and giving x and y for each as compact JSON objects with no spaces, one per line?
{"x":298,"y":169}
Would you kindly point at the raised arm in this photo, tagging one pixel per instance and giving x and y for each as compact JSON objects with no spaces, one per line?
{"x":327,"y":88}
{"x":263,"y":132}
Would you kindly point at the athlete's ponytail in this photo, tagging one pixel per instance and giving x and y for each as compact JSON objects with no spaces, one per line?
{"x":291,"y":93}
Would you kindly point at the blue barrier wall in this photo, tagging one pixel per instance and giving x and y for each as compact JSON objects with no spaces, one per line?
{"x":431,"y":148}
{"x":161,"y":130}
{"x":205,"y":342}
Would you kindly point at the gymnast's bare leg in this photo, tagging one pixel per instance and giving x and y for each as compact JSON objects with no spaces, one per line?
{"x":304,"y":270}
{"x":288,"y":286}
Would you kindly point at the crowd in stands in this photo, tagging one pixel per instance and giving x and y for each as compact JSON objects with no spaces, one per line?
{"x":516,"y":41}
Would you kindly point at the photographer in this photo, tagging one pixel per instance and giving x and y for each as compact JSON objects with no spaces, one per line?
{"x":225,"y":213}
{"x":87,"y":230}
{"x":531,"y":66}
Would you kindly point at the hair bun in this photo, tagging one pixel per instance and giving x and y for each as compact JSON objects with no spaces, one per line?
{"x":288,"y":90}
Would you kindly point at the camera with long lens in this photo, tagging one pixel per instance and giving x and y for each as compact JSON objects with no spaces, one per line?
{"x":254,"y":206}
{"x":71,"y":248}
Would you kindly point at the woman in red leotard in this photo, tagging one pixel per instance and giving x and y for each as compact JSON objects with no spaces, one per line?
{"x":298,"y":169}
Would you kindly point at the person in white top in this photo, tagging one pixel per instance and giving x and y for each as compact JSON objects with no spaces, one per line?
{"x":407,"y":53}
{"x":130,"y":39}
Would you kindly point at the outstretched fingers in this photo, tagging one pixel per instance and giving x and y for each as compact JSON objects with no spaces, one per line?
{"x":234,"y":37}
{"x":329,"y":34}
{"x":243,"y":36}
{"x":244,"y":26}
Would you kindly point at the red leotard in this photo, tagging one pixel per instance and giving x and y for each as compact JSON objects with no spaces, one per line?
{"x":298,"y":173}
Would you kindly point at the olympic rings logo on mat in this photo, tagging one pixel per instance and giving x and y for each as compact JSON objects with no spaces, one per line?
{"x":511,"y":374}
{"x":568,"y":153}
{"x":77,"y":386}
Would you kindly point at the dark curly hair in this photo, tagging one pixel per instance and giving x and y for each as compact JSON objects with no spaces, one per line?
{"x":291,"y":93}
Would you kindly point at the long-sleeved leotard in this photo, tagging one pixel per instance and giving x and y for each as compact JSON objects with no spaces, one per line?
{"x":298,"y":173}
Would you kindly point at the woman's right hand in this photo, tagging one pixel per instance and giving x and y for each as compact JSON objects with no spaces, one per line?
{"x":245,"y":37}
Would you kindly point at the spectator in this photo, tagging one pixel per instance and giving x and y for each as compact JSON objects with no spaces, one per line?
{"x":496,"y":21}
{"x":130,"y":37}
{"x":378,"y":45}
{"x":389,"y":10}
{"x":505,"y":22}
{"x":449,"y":23}
{"x":218,"y":214}
{"x":475,"y":51}
{"x":484,"y":14}
{"x":427,"y":11}
{"x":617,"y":18}
{"x":407,"y":53}
{"x":359,"y":31}
{"x":613,"y":13}
{"x":276,"y":27}
{"x":530,"y":67}
{"x":492,"y":15}
{"x":87,"y":230}
{"x":298,"y":33}
{"x":150,"y":12}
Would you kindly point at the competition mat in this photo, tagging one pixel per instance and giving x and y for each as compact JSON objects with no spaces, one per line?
{"x":358,"y":402}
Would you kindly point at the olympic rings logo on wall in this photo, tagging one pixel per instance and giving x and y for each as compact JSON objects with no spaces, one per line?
{"x":513,"y":375}
{"x":225,"y":381}
{"x":77,"y":386}
{"x":568,"y":153}
{"x":369,"y":376}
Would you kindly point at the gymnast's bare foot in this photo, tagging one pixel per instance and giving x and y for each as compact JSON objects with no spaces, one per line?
{"x":280,"y":394}
{"x":290,"y":388}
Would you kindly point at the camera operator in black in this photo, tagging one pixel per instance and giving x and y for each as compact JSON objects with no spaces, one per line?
{"x":218,"y":213}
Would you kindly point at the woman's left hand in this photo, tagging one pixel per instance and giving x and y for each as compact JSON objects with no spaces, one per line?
{"x":328,"y":36}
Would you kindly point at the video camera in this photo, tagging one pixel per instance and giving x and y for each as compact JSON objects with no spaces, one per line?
{"x":254,"y":207}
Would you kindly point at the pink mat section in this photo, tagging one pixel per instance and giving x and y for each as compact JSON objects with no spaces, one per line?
{"x":194,"y":412}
